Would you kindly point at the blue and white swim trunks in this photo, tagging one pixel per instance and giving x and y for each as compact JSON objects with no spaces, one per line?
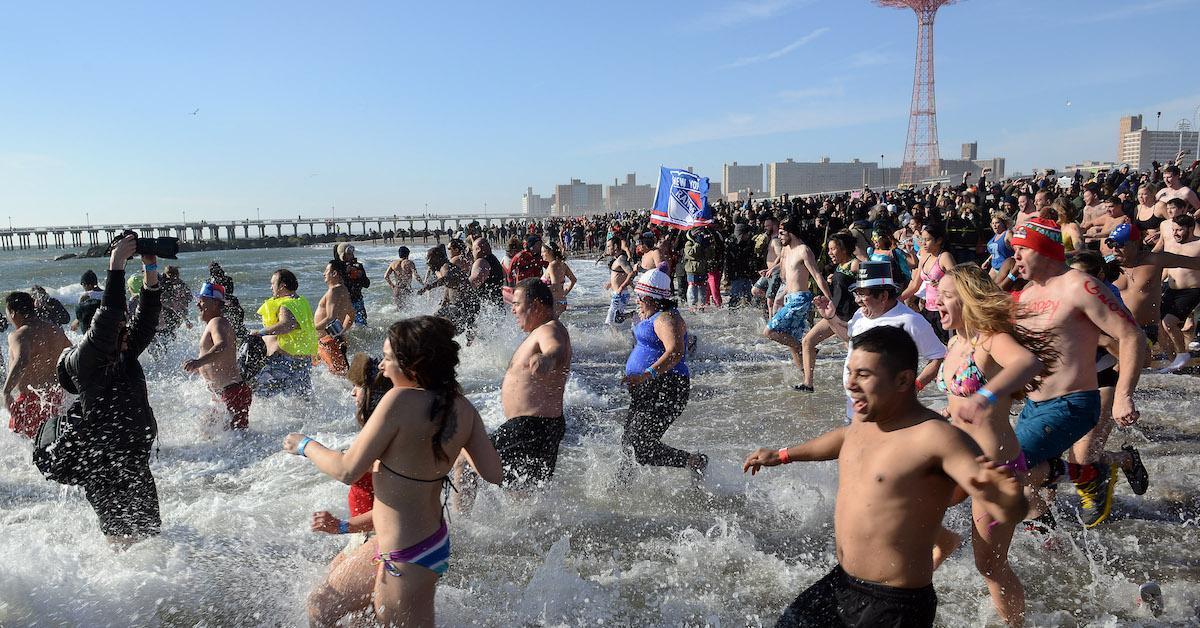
{"x":792,"y":318}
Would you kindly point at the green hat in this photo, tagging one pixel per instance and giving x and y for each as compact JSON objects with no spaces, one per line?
{"x":134,"y":283}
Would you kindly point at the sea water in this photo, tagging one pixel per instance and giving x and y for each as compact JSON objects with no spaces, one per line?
{"x":657,"y":549}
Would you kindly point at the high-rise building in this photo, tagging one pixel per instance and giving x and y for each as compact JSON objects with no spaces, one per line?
{"x":629,"y":195}
{"x":1141,"y":147}
{"x":970,"y":151}
{"x":577,"y":198}
{"x":534,"y":205}
{"x":739,"y":179}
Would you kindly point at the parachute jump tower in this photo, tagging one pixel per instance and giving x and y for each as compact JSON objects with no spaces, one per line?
{"x":921,"y":156}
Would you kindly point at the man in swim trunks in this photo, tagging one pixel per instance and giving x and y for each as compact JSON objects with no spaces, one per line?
{"x":768,"y":248}
{"x":1182,"y":293}
{"x":898,"y":465}
{"x":1075,"y":308}
{"x":31,"y":389}
{"x":532,"y":392}
{"x":217,"y":361}
{"x":399,"y":275}
{"x":333,"y":319}
{"x":797,"y":263}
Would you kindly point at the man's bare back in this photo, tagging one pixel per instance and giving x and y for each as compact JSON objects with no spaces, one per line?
{"x":400,"y":273}
{"x":532,"y":386}
{"x":33,"y":350}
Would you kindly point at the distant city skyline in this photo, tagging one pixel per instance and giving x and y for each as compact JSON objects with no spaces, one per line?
{"x":144,"y":113}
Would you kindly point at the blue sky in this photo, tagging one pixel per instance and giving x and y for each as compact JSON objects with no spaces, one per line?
{"x":376,"y":108}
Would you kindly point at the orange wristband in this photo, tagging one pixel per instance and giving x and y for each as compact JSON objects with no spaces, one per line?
{"x":783,"y":455}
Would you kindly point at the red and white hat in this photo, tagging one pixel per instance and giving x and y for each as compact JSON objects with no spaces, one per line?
{"x":654,"y":283}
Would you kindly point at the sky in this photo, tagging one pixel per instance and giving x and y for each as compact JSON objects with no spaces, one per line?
{"x":136,"y":112}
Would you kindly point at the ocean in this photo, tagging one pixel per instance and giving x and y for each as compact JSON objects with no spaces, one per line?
{"x":657,"y":549}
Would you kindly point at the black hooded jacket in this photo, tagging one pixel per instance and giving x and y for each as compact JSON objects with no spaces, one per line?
{"x":111,"y":385}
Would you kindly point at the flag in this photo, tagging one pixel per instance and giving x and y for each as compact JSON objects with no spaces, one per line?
{"x":681,"y":200}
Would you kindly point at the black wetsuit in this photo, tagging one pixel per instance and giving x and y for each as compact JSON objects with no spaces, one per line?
{"x":118,"y":424}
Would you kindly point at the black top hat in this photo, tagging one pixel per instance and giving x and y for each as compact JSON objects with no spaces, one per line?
{"x":875,"y":275}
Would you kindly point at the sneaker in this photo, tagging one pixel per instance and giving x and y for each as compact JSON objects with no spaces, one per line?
{"x":1139,"y":478}
{"x":1096,"y":495}
{"x":1042,"y":525}
{"x":802,"y":388}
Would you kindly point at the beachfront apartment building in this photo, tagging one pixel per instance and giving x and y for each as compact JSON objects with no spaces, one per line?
{"x":578,"y":198}
{"x":535,"y":205}
{"x":741,"y":179}
{"x":1140,"y":147}
{"x":629,"y":195}
{"x":799,"y":177}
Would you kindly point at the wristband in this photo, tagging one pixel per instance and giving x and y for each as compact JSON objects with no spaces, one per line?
{"x":343,"y":527}
{"x":304,"y":443}
{"x":1012,"y":277}
{"x":784,"y":458}
{"x":988,"y":395}
{"x":651,"y":372}
{"x":918,"y":385}
{"x":150,"y":268}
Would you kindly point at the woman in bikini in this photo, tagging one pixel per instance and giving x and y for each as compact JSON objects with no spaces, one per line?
{"x":556,"y":275}
{"x":415,"y":434}
{"x":991,"y":359}
{"x":1150,"y":215}
{"x":931,"y":266}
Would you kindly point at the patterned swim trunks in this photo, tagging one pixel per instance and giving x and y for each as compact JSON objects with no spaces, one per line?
{"x":792,"y":318}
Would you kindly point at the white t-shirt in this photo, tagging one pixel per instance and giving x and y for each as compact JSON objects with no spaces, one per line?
{"x":929,"y":346}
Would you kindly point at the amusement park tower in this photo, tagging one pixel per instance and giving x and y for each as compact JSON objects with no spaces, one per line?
{"x":921,"y":158}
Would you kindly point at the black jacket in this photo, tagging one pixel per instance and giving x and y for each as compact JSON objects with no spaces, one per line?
{"x":356,"y":279}
{"x":111,"y":385}
{"x":740,"y":261}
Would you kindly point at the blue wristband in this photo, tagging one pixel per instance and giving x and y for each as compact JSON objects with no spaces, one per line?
{"x":987,"y":394}
{"x":1012,"y":277}
{"x":651,"y":372}
{"x":304,"y":443}
{"x":343,"y":527}
{"x":150,"y":267}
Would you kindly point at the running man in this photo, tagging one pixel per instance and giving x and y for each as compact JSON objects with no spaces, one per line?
{"x":333,"y":319}
{"x":399,"y":276}
{"x":217,"y":361}
{"x":890,"y":504}
{"x":1176,"y":189}
{"x":532,"y":392}
{"x":797,"y":263}
{"x":1182,"y":292}
{"x":1075,"y":308}
{"x":31,"y":390}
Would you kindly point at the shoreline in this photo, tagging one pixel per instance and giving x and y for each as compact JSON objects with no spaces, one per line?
{"x":273,"y":242}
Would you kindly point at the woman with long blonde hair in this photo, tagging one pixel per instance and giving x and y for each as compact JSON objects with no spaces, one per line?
{"x":990,"y":360}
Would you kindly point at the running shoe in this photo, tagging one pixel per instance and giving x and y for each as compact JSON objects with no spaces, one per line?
{"x":1043,"y":524}
{"x":1096,"y":495}
{"x":1139,"y":478}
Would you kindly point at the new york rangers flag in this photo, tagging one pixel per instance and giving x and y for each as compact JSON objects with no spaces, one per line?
{"x":681,"y":200}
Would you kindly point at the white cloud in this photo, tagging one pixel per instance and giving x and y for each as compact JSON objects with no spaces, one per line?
{"x":775,"y":54}
{"x":741,"y":12}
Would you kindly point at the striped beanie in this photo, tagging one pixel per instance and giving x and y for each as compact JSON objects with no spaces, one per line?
{"x":1041,"y":235}
{"x":654,"y":283}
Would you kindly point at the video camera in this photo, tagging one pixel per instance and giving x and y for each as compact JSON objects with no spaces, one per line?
{"x":166,"y":248}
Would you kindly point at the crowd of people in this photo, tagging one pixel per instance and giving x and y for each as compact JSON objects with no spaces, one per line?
{"x":1045,"y":293}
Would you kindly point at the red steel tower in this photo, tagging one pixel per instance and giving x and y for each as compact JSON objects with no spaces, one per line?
{"x":921,"y":156}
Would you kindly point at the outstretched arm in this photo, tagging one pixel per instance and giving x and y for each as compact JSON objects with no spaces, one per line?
{"x":346,"y":467}
{"x":824,"y":447}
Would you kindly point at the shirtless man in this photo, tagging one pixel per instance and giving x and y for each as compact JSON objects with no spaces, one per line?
{"x":1075,"y":309}
{"x":619,"y":277}
{"x":31,"y":389}
{"x":1176,"y":189}
{"x":1027,"y":207}
{"x":797,"y":263}
{"x":1104,"y":223}
{"x":1182,"y":293}
{"x":532,"y":392}
{"x":1094,"y":214}
{"x":1141,"y":274}
{"x":217,"y":361}
{"x":898,"y":465}
{"x":333,"y":319}
{"x":768,"y":283}
{"x":399,"y":275}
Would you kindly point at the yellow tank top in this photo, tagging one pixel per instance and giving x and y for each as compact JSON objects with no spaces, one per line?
{"x":300,"y":341}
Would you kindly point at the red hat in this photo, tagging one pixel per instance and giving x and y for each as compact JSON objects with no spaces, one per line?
{"x":1041,"y":235}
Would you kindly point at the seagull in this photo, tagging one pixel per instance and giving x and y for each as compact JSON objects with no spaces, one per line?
{"x":195,"y":112}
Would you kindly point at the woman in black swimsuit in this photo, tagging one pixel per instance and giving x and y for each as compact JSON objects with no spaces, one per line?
{"x":1150,"y":215}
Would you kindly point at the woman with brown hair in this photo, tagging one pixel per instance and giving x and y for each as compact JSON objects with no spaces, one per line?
{"x":415,"y":434}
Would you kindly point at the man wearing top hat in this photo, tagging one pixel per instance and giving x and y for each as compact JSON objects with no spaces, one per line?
{"x":876,"y":293}
{"x":217,"y":361}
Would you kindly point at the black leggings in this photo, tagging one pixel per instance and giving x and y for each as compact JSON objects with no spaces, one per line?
{"x":653,"y":407}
